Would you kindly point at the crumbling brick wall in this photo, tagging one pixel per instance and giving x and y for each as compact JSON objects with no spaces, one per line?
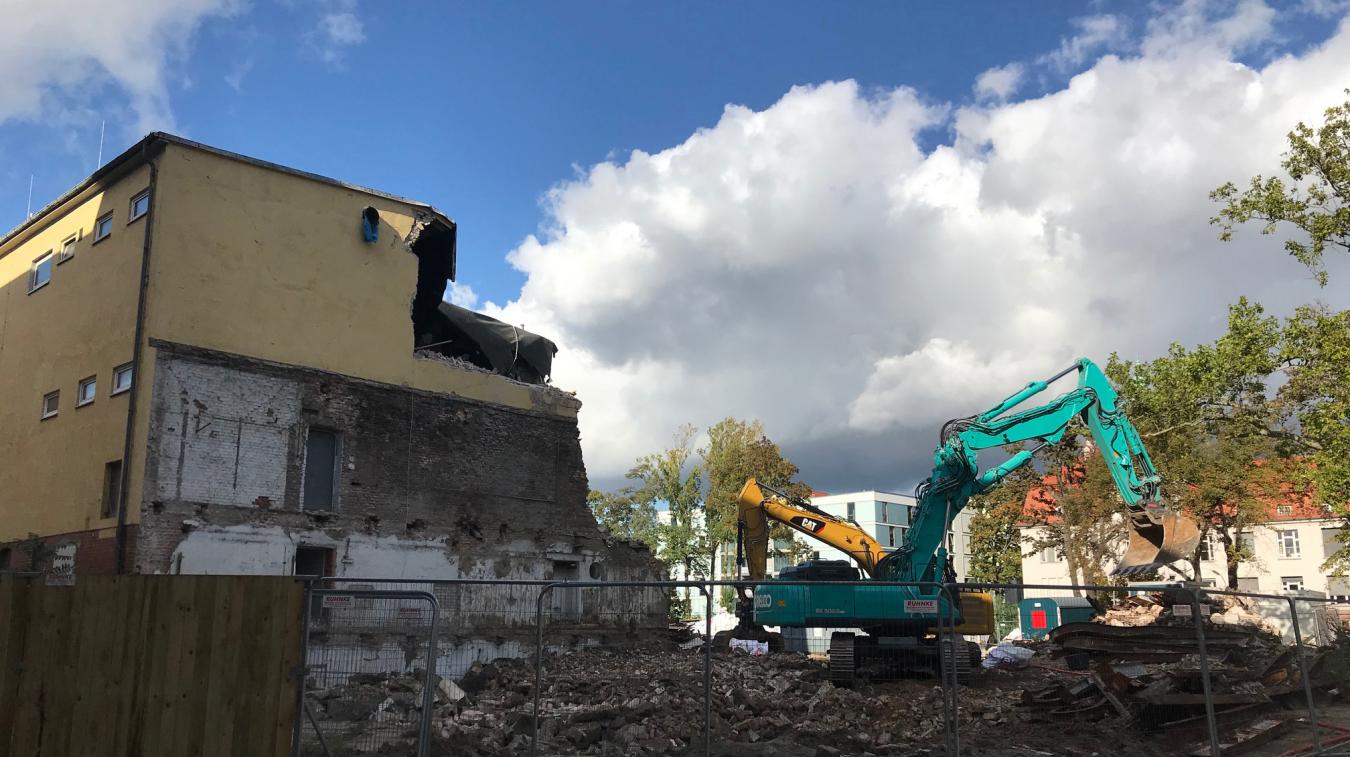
{"x":430,"y":486}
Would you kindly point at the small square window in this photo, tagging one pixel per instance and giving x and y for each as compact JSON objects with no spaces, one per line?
{"x":122,"y":376}
{"x":103,"y":227}
{"x":1284,"y":509}
{"x":67,"y":249}
{"x":140,"y":205}
{"x":41,"y":273}
{"x":1292,"y":583}
{"x":88,"y":391}
{"x":51,"y":402}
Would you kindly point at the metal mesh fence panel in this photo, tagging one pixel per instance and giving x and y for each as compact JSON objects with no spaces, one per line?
{"x":368,"y":685}
{"x":616,"y":676}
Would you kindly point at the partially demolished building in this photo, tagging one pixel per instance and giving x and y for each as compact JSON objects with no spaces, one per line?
{"x":214,"y":364}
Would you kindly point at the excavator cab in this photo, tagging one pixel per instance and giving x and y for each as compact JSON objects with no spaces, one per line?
{"x":1157,"y":538}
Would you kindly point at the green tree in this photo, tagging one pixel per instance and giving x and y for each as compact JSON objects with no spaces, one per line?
{"x":670,"y":477}
{"x":1314,"y":198}
{"x":621,"y":514}
{"x":738,"y":450}
{"x":1206,"y":416}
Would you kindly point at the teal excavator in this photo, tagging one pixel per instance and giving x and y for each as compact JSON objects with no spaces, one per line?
{"x":899,"y":621}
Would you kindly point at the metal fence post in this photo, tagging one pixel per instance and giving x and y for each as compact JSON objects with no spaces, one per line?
{"x":707,"y":672}
{"x":1210,"y":719}
{"x":947,"y":635}
{"x":428,"y":707}
{"x":1303,"y":673}
{"x":538,"y":665}
{"x":303,"y":672}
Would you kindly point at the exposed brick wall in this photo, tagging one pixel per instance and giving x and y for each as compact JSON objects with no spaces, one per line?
{"x":95,"y":551}
{"x":499,"y":491}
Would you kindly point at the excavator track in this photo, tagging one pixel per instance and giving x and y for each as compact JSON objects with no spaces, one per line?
{"x":843,"y":665}
{"x":962,"y":655}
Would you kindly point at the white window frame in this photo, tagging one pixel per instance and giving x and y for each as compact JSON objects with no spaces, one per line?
{"x":1049,"y":555}
{"x":1207,"y":549}
{"x":92,"y":384}
{"x":1284,"y":509}
{"x":119,"y":371}
{"x":131,"y":209}
{"x":46,"y":259}
{"x":1284,"y":537}
{"x":51,"y":404}
{"x":99,"y":233}
{"x":1284,"y":583}
{"x":67,"y":249}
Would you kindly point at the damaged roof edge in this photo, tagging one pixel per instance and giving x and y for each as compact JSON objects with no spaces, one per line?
{"x":140,"y":151}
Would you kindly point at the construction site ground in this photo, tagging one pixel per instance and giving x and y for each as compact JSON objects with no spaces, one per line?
{"x":650,"y":701}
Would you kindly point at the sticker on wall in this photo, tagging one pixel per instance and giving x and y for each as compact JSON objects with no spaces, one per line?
{"x":62,"y":572}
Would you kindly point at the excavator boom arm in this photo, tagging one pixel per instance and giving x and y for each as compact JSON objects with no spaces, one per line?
{"x":758,"y":508}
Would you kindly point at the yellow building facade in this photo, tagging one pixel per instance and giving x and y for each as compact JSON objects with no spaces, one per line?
{"x":178,"y":267}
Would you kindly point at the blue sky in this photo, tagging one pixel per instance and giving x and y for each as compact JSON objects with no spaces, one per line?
{"x":851,"y":220}
{"x":479,"y":108}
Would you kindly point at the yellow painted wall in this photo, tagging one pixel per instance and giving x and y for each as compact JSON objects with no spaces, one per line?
{"x":266,"y":264}
{"x":80,"y":324}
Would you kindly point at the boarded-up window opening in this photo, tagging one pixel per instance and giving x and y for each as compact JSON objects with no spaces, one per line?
{"x":321,"y":448}
{"x":112,"y":488}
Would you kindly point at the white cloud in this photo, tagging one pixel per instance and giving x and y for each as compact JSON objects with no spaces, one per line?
{"x":240,"y":70}
{"x":811,"y":266}
{"x":336,"y":29}
{"x":999,"y":82}
{"x":53,"y":53}
{"x":462,"y":295}
{"x":1095,"y":33}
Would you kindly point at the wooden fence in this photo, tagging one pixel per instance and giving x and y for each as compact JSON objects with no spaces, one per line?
{"x":143,"y":666}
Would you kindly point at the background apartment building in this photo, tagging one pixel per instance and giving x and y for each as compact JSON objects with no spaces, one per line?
{"x":214,"y":364}
{"x":886,"y":517}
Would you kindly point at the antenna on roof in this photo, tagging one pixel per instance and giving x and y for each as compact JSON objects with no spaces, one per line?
{"x":99,"y":164}
{"x":30,"y":196}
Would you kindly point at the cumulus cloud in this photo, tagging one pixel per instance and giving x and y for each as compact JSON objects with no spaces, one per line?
{"x":810,"y":265}
{"x":53,"y":53}
{"x":336,"y":29}
{"x":1094,"y":34}
{"x":999,"y":82}
{"x":461,"y":295}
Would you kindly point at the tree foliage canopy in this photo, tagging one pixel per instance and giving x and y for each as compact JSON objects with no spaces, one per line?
{"x":1315,"y":196}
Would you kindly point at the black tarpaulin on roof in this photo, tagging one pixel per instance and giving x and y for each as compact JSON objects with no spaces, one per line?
{"x":492,"y":344}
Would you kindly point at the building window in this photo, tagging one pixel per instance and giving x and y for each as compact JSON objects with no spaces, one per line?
{"x":852,"y":511}
{"x":51,"y":402}
{"x":41,"y":273}
{"x":1048,"y":555}
{"x":67,"y":249}
{"x":1284,"y":509}
{"x":5,"y":557}
{"x":321,"y":448}
{"x":112,"y":488}
{"x":566,"y":601}
{"x":1210,"y":583}
{"x":103,"y":227}
{"x":1292,"y":583}
{"x":1288,"y":540}
{"x":1248,"y":543}
{"x":884,"y":519}
{"x":1206,"y":553}
{"x":88,"y":390}
{"x":122,"y":376}
{"x":890,"y":536}
{"x":140,"y":205}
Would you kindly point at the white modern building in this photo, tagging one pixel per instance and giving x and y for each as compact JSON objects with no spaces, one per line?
{"x":886,"y":517}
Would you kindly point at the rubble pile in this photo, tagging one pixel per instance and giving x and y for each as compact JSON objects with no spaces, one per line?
{"x":1136,"y":666}
{"x":651,"y":702}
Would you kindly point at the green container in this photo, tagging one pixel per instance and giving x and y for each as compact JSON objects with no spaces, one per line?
{"x":1040,"y":615}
